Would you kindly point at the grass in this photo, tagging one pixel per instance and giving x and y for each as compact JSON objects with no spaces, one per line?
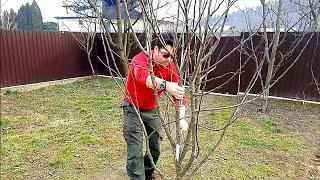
{"x":67,"y":130}
{"x":11,"y":93}
{"x":318,"y":131}
{"x":252,"y":152}
{"x":74,"y":131}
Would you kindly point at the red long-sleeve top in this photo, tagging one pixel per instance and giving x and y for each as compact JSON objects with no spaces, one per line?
{"x":137,"y":92}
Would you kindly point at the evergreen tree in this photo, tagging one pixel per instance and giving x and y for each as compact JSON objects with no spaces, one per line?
{"x":50,"y":26}
{"x":36,"y":16}
{"x":24,"y":18}
{"x":30,"y":17}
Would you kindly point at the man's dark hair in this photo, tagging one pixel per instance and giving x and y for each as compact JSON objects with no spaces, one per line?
{"x":167,"y":39}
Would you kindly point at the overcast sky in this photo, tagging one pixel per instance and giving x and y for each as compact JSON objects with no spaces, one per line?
{"x":49,"y":8}
{"x":52,"y":8}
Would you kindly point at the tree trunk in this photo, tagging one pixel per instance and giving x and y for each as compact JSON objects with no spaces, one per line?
{"x":267,"y":87}
{"x":90,"y":63}
{"x":271,"y":59}
{"x":123,"y":63}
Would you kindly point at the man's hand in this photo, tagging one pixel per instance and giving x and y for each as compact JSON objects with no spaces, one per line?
{"x":183,"y":123}
{"x":175,"y":90}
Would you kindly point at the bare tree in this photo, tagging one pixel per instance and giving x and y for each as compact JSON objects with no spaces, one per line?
{"x":197,"y":40}
{"x":8,"y":20}
{"x":108,"y":23}
{"x":271,"y":45}
{"x":87,"y":20}
{"x":197,"y":43}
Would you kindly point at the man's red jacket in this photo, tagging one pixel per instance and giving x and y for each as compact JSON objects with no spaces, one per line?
{"x":137,"y":92}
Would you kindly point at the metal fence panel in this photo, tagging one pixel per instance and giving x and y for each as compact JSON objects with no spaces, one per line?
{"x":37,"y":56}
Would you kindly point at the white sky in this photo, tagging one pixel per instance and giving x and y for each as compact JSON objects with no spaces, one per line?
{"x":52,"y":8}
{"x":171,"y":9}
{"x":49,"y":8}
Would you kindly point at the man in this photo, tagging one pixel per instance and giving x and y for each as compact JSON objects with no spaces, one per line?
{"x":140,"y":93}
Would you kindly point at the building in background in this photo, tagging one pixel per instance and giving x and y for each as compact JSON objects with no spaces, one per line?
{"x":81,"y":18}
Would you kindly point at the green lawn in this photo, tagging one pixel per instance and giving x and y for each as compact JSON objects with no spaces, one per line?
{"x":74,"y":131}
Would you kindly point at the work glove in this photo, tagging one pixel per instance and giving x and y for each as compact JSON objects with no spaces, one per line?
{"x":183,"y":123}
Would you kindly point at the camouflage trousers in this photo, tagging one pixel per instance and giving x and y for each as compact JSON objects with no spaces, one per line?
{"x":138,"y":164}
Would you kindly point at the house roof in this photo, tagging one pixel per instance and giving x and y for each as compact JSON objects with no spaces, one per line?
{"x":72,"y":17}
{"x":109,"y":12}
{"x":109,"y":2}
